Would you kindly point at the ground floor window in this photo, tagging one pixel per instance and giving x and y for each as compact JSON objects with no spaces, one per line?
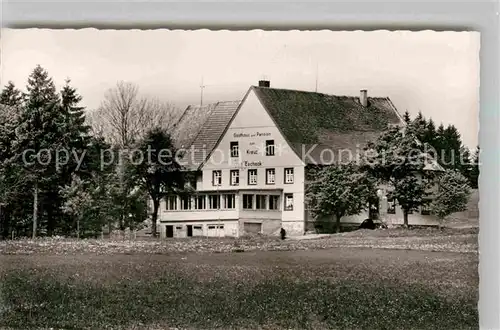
{"x":247,"y":202}
{"x":288,"y":202}
{"x":214,"y":202}
{"x":260,"y":202}
{"x":273,"y":202}
{"x":229,"y":201}
{"x":252,"y":228}
{"x":186,"y":203}
{"x":171,"y":203}
{"x":200,"y":203}
{"x":197,"y":231}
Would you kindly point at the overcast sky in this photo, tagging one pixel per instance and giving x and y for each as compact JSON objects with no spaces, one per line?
{"x":435,"y":72}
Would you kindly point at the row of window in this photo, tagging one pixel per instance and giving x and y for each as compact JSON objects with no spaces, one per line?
{"x":199,"y":227}
{"x":234,"y":176}
{"x":235,"y":148}
{"x":266,"y":202}
{"x":228,"y":202}
{"x":202,"y":202}
{"x":391,"y":208}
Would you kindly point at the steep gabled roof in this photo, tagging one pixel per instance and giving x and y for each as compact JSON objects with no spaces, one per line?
{"x":321,"y":121}
{"x":199,"y":129}
{"x":189,"y":124}
{"x":306,"y":119}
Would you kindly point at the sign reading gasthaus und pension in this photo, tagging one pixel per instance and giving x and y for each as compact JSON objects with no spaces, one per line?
{"x":251,"y":135}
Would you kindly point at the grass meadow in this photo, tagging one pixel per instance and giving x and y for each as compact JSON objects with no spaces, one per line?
{"x":383,"y":279}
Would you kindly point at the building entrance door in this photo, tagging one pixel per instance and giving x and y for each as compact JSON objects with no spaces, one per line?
{"x":189,"y":231}
{"x":170,"y":231}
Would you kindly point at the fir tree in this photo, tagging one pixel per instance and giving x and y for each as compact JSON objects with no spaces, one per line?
{"x":407,"y":118}
{"x":77,"y":132}
{"x":70,"y":102}
{"x":429,"y":135}
{"x":11,"y":96}
{"x":12,"y":184}
{"x":419,"y":126}
{"x":451,"y":146}
{"x":39,"y":128}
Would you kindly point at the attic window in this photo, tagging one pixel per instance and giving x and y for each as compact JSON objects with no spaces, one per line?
{"x":269,"y":147}
{"x":234,"y":149}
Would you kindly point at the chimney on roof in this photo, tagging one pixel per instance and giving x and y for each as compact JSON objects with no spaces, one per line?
{"x":363,"y":97}
{"x":264,"y":83}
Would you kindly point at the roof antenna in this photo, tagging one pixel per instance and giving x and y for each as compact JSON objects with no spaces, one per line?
{"x":202,"y":86}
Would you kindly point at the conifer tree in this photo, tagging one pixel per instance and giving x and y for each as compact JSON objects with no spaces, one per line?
{"x":11,"y":182}
{"x":39,"y":129}
{"x":429,"y":135}
{"x":407,"y":118}
{"x":11,"y":96}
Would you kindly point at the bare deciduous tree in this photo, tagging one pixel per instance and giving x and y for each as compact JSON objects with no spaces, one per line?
{"x":124,"y":115}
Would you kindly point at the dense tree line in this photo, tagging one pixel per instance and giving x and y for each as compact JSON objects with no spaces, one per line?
{"x":65,"y":172}
{"x":447,"y":146}
{"x":405,"y":162}
{"x":62,"y":174}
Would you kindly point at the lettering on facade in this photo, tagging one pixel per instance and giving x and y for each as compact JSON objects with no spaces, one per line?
{"x":241,"y":135}
{"x":263,"y":134}
{"x":252,"y":164}
{"x":251,"y":135}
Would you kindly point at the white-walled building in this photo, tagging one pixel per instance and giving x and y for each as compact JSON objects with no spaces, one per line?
{"x":250,"y":158}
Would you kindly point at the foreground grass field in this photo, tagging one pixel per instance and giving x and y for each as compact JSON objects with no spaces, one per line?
{"x":315,"y":286}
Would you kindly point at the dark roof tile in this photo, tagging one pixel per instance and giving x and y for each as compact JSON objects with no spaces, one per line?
{"x":338,"y":123}
{"x":200,"y":128}
{"x":327,"y":121}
